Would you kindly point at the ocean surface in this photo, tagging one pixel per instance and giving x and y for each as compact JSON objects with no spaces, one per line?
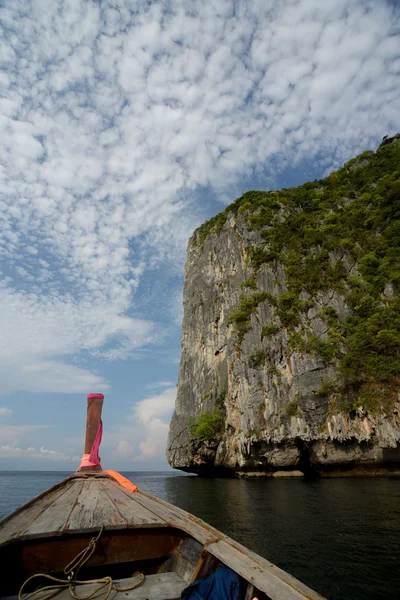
{"x":340,"y":536}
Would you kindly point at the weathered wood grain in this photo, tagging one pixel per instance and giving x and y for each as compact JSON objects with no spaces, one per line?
{"x":14,"y":524}
{"x":93,"y":417}
{"x":277,"y":584}
{"x":165,"y":586}
{"x":52,"y":521}
{"x":93,"y":509}
{"x":283,"y":575}
{"x":184,"y":559}
{"x":80,"y":503}
{"x":177,"y":518}
{"x":249,"y":595}
{"x":112,"y":548}
{"x":190,"y":549}
{"x":135,"y":514}
{"x":175,"y":564}
{"x":206,"y":565}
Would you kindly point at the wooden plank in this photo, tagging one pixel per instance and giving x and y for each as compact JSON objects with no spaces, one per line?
{"x":18,"y":521}
{"x":52,"y":521}
{"x":112,"y":548}
{"x":34,"y":520}
{"x":165,"y":586}
{"x":277,"y":584}
{"x":206,"y":566}
{"x":190,"y":549}
{"x":249,"y":595}
{"x":135,"y":514}
{"x":283,"y":575}
{"x":178,"y":518}
{"x":177,"y":564}
{"x":184,"y":559}
{"x":94,"y":509}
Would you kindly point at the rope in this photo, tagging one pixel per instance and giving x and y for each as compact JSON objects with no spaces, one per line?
{"x":71,"y":571}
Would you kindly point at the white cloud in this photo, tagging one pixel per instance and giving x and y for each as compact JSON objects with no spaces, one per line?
{"x":13,"y":443}
{"x":5,"y":412}
{"x":124,"y":449}
{"x":39,"y":332}
{"x":153,"y":446}
{"x":9,"y":451}
{"x":153,"y":414}
{"x":111,"y":121}
{"x":15,"y":434}
{"x":146,"y":429}
{"x":155,"y":407}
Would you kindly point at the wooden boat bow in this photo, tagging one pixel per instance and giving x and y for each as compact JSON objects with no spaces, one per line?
{"x":140,"y":532}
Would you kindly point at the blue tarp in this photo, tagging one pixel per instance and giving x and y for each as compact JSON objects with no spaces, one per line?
{"x":224,"y":584}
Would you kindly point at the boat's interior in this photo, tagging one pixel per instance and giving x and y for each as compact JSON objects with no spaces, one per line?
{"x":169,"y":559}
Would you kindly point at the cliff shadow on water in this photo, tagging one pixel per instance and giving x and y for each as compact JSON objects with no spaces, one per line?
{"x":291,"y":332}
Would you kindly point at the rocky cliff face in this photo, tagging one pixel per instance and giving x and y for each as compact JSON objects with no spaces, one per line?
{"x":290,"y":357}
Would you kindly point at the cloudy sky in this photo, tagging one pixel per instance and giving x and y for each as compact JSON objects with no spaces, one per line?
{"x":123,"y":126}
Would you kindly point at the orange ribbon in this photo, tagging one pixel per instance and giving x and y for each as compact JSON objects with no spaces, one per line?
{"x":122,"y":480}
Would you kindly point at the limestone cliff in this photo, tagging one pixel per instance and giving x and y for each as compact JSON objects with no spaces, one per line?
{"x":291,"y":331}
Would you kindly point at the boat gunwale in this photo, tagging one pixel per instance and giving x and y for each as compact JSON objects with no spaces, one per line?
{"x":267,"y":577}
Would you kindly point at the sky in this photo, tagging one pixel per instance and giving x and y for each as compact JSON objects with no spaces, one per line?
{"x":123,"y":126}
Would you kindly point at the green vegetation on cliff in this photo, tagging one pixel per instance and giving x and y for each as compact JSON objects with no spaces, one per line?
{"x":206,"y":425}
{"x":247,"y":306}
{"x":339,"y":234}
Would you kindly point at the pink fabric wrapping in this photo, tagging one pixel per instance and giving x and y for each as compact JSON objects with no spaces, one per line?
{"x":94,"y":453}
{"x":93,"y":459}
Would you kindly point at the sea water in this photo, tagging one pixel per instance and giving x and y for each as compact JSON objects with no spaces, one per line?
{"x":339,"y":536}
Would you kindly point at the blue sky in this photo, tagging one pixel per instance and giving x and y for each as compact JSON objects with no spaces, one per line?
{"x":123,"y":126}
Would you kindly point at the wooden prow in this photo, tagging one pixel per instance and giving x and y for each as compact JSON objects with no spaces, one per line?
{"x":93,"y":418}
{"x":94,"y":408}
